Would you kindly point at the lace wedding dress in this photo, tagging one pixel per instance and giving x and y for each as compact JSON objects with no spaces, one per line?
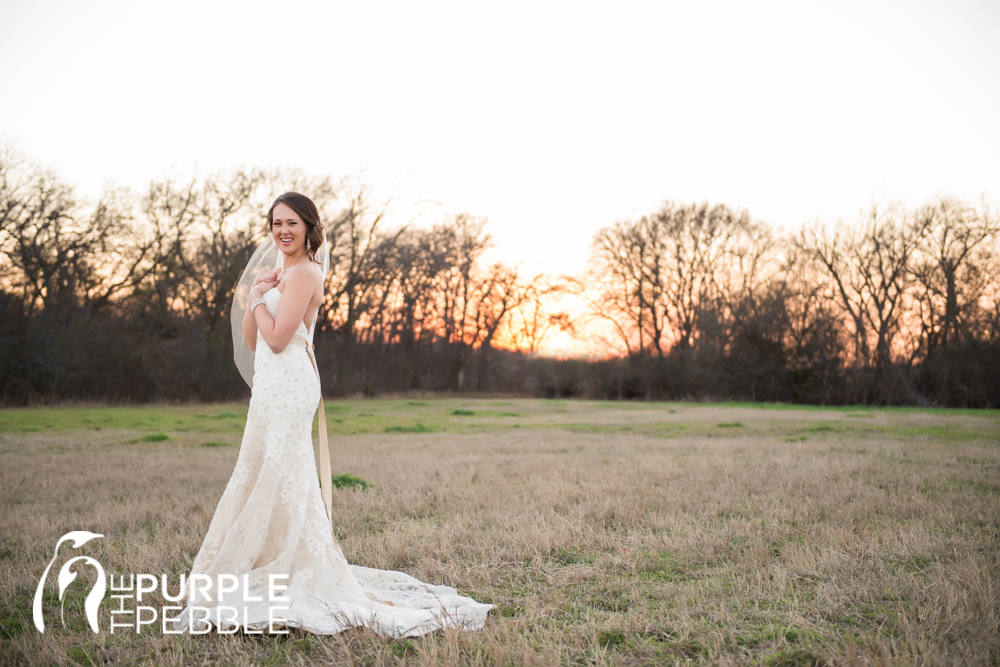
{"x":271,"y":520}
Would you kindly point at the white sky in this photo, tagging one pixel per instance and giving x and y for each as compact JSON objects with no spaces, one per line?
{"x":552,"y":119}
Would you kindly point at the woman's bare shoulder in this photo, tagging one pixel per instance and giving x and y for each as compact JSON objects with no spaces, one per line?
{"x":307,"y":273}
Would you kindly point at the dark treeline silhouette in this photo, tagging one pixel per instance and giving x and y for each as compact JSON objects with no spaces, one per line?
{"x":127,"y":299}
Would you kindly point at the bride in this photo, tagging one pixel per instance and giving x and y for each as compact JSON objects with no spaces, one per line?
{"x":273,"y":523}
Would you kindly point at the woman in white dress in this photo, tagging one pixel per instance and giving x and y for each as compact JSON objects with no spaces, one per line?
{"x":271,"y":526}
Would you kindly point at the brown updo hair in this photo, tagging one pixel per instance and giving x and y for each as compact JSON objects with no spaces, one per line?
{"x":307,"y":212}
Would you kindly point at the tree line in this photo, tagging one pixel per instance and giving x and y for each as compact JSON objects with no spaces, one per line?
{"x":127,"y":299}
{"x":899,"y":307}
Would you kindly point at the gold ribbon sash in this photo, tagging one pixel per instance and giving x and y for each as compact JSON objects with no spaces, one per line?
{"x":323,"y":446}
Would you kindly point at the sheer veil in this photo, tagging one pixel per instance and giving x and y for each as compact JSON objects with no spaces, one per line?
{"x":267,"y":256}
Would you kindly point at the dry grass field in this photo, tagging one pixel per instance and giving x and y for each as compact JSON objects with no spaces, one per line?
{"x":606,"y":533}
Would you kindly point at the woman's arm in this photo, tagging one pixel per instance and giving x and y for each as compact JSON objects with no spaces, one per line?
{"x":301,"y":284}
{"x":250,"y":327}
{"x":264,"y":281}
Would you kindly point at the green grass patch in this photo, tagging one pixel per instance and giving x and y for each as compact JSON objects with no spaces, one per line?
{"x":348,"y":481}
{"x":14,"y":620}
{"x":438,"y":415}
{"x":951,"y":433}
{"x":414,"y":428}
{"x":665,"y":568}
{"x":822,"y":428}
{"x":93,"y":418}
{"x":610,"y":638}
{"x":403,"y":648}
{"x":215,"y":443}
{"x":152,"y":437}
{"x":794,"y":657}
{"x":82,"y":655}
{"x":571,"y":556}
{"x":964,"y":412}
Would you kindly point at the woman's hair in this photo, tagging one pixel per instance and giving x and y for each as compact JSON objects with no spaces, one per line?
{"x":307,"y":212}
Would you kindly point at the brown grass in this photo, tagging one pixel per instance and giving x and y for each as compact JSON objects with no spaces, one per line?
{"x":602,"y":534}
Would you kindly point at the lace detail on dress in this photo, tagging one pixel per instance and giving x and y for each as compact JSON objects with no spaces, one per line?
{"x":271,"y":520}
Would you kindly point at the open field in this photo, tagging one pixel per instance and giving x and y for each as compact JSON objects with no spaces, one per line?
{"x":605,"y":532}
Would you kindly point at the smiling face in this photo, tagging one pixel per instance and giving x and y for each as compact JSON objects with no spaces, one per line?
{"x":289,"y":231}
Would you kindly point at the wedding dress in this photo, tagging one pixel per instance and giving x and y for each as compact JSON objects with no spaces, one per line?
{"x":271,"y":520}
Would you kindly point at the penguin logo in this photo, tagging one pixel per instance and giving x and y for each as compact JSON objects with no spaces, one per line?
{"x":67,"y":576}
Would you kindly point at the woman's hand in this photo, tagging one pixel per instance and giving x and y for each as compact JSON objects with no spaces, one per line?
{"x":265,"y":280}
{"x":266,"y":276}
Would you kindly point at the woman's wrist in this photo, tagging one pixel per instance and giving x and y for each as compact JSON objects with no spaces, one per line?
{"x":254,"y":302}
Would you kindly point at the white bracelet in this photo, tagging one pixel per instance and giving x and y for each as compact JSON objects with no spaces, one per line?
{"x":255,"y":304}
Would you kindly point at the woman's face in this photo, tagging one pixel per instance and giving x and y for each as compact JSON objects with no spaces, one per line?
{"x":288,"y":230}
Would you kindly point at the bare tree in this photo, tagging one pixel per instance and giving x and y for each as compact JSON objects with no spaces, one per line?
{"x":867,"y":270}
{"x":951,"y":270}
{"x":499,"y":293}
{"x":56,"y":254}
{"x":663,"y":278}
{"x":358,"y":257}
{"x":533,"y":319}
